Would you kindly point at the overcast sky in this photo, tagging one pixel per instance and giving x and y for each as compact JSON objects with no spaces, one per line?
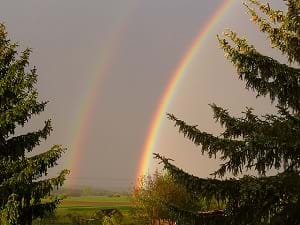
{"x":126,"y":51}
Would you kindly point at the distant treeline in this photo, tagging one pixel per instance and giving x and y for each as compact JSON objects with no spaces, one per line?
{"x":89,"y":191}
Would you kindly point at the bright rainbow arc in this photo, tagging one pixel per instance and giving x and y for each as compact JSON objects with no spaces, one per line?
{"x":177,"y":76}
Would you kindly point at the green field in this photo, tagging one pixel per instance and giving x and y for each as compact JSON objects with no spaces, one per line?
{"x":97,"y":202}
{"x":78,"y":210}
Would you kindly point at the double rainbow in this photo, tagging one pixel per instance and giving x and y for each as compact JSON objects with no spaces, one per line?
{"x":176,"y":78}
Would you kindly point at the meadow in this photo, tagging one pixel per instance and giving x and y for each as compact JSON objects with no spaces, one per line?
{"x":88,"y":210}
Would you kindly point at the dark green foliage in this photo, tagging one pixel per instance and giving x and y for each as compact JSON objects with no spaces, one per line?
{"x":23,"y":190}
{"x":251,"y":142}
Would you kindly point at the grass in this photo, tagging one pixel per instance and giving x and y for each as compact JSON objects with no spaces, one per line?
{"x":96,"y":202}
{"x":86,"y":206}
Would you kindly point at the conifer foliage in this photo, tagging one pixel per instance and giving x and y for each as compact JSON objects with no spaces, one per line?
{"x":24,"y":191}
{"x":260,"y":143}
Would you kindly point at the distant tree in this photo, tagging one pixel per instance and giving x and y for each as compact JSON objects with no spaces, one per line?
{"x":252,"y":142}
{"x":87,"y":191}
{"x":24,"y":191}
{"x":153,"y":193}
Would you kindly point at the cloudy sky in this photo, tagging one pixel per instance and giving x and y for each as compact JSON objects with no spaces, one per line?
{"x":104,"y":65}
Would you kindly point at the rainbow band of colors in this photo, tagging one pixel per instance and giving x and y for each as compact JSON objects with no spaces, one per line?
{"x":176,"y":78}
{"x":89,"y":99}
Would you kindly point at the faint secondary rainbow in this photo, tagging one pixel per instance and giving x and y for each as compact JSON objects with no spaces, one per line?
{"x":176,"y":78}
{"x":87,"y":107}
{"x":89,"y":100}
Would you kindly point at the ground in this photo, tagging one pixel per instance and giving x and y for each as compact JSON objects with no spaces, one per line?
{"x":81,"y":209}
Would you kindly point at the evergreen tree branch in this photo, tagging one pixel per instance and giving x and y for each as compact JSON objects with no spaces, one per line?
{"x":276,"y":16}
{"x":22,"y":187}
{"x":214,"y":217}
{"x":19,"y":114}
{"x":263,"y":74}
{"x":208,"y":188}
{"x":254,"y":142}
{"x":17,"y":146}
{"x":42,"y":209}
{"x":249,"y":199}
{"x":44,"y":187}
{"x":286,"y":36}
{"x":30,"y":169}
{"x":263,"y":148}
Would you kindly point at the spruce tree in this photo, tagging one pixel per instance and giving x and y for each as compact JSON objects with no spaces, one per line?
{"x":24,"y":189}
{"x":264,"y":143}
